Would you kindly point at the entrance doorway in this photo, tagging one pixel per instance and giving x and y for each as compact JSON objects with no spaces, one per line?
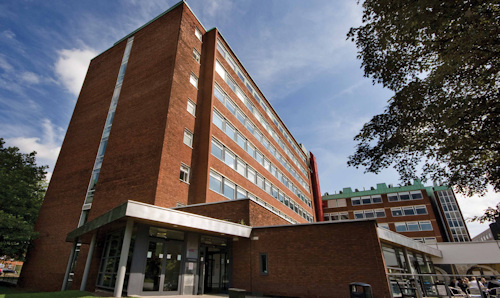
{"x":215,"y":266}
{"x":163,"y":264}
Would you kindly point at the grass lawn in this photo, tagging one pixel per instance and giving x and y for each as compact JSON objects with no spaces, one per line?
{"x":10,"y":292}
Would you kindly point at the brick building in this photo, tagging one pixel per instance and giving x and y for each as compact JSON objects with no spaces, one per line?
{"x":176,"y":176}
{"x":426,"y":214}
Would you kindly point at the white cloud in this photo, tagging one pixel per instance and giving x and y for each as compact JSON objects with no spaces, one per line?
{"x":71,"y":67}
{"x":30,"y":78}
{"x":47,"y":145}
{"x":475,"y":205}
{"x":4,"y":65}
{"x":8,"y":34}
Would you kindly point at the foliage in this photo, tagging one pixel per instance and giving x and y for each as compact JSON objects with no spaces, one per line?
{"x":441,"y":59}
{"x":22,"y":188}
{"x":490,"y":214}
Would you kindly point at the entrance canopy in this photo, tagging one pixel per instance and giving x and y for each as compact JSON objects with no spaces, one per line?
{"x":163,"y":216}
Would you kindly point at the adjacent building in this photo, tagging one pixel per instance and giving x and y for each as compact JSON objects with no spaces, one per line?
{"x":426,"y":214}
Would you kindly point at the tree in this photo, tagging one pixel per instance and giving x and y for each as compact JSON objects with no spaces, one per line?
{"x":22,"y":188}
{"x":441,"y":59}
{"x":490,"y":214}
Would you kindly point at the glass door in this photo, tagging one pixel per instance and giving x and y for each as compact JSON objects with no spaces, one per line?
{"x":163,"y":263}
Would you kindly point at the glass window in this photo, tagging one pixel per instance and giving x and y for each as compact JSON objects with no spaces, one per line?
{"x":263,"y":264}
{"x":412,"y":226}
{"x":260,"y":181}
{"x":229,"y":159}
{"x":191,"y":107}
{"x":229,"y":130}
{"x":355,"y":201}
{"x":193,"y":80}
{"x":218,"y":94}
{"x":251,"y":150}
{"x":198,"y":34}
{"x":384,"y":225}
{"x":229,"y":188}
{"x":274,"y":192}
{"x":259,"y":157}
{"x":400,"y":226}
{"x":217,"y":119}
{"x":251,"y":174}
{"x":267,"y":164}
{"x":215,"y":183}
{"x":240,"y":140}
{"x":196,"y":55}
{"x":188,"y":138}
{"x":241,"y":193}
{"x":380,"y":212}
{"x":366,"y":200}
{"x":376,"y":199}
{"x":358,"y":215}
{"x":281,"y":197}
{"x":404,"y":196}
{"x":425,"y":226}
{"x":396,"y":211}
{"x":250,"y":126}
{"x":230,"y":106}
{"x":241,"y":167}
{"x":217,"y":149}
{"x":392,"y":197}
{"x":369,"y":214}
{"x":416,"y":195}
{"x":268,"y":187}
{"x":408,"y":211}
{"x":184,"y":175}
{"x":343,"y":215}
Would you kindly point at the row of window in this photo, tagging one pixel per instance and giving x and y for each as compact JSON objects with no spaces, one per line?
{"x":426,"y":240}
{"x":376,"y":213}
{"x":453,"y":216}
{"x":239,"y":93}
{"x":366,"y":200}
{"x":264,"y":106}
{"x":236,"y":163}
{"x":334,"y":216}
{"x":245,"y":121}
{"x":235,"y":135}
{"x":413,"y":226}
{"x":404,"y":196}
{"x":230,"y":190}
{"x":409,"y":210}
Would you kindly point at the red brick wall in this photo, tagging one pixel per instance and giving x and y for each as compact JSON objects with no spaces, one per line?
{"x":318,"y":260}
{"x":247,"y":210}
{"x":62,"y":205}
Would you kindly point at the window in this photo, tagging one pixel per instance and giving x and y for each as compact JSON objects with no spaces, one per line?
{"x":425,"y":226}
{"x":196,"y":55}
{"x":229,"y":159}
{"x":366,"y":200}
{"x":251,"y":174}
{"x":260,"y":181}
{"x":184,"y":175}
{"x":197,"y":32}
{"x":369,"y":214}
{"x":392,"y":197}
{"x":217,"y":119}
{"x":230,"y":106}
{"x":416,"y":195}
{"x":217,"y":149}
{"x":380,"y":212}
{"x":400,"y":226}
{"x":193,"y":80}
{"x":191,"y":107}
{"x":229,"y":189}
{"x":241,"y":193}
{"x":229,"y":130}
{"x":384,"y":225}
{"x":404,"y":196}
{"x":240,"y":167}
{"x":188,"y":138}
{"x":240,"y":140}
{"x":358,"y":215}
{"x":408,"y":211}
{"x":355,"y":201}
{"x":376,"y":199}
{"x":263,"y":264}
{"x":412,"y":226}
{"x":215,"y":183}
{"x":397,"y":211}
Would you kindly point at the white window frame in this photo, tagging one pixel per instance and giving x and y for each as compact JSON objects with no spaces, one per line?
{"x":198,"y":33}
{"x":196,"y":55}
{"x":188,"y":138}
{"x":193,"y":79}
{"x":185,"y":171}
{"x":191,"y":107}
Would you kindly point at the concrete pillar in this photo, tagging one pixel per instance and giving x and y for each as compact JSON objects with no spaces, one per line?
{"x":68,"y":267}
{"x":122,"y":266}
{"x":88,"y":262}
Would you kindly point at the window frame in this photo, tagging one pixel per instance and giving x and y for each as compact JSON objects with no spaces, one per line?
{"x":193,"y":79}
{"x":191,"y":104}
{"x":189,"y":136}
{"x":184,"y":175}
{"x":196,"y":55}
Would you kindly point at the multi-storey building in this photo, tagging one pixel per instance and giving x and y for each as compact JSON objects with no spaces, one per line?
{"x":426,"y":214}
{"x":176,"y":176}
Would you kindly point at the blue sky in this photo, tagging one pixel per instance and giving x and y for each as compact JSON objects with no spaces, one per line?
{"x":296,"y":51}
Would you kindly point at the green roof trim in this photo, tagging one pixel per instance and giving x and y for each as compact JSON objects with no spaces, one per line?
{"x":441,"y":187}
{"x":381,"y":189}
